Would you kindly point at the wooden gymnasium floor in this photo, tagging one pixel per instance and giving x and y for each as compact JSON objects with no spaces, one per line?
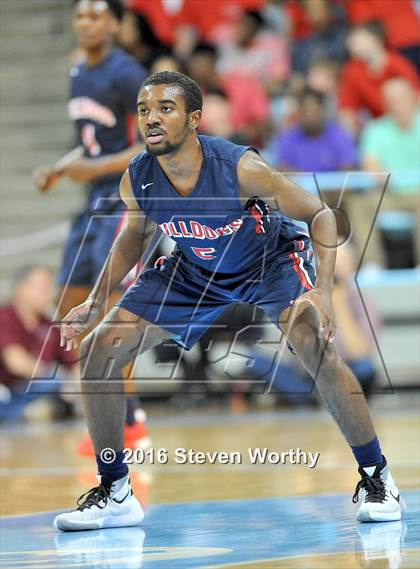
{"x":222,"y":515}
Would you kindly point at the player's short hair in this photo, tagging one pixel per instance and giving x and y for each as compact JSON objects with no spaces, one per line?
{"x":374,"y":27}
{"x":115,"y":7}
{"x":192,"y":93}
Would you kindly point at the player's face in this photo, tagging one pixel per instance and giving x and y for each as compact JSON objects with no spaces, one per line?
{"x":163,"y":121}
{"x":93,"y":23}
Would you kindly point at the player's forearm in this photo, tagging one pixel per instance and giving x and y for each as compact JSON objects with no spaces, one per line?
{"x":125,"y":252}
{"x":116,"y":163}
{"x":323,"y":230}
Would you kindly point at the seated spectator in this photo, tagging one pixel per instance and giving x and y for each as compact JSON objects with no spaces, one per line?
{"x":249,"y":121}
{"x":314,"y":144}
{"x":363,"y":76}
{"x":257,"y":53}
{"x":181,"y":24}
{"x":30,"y":346}
{"x":389,"y":144}
{"x":323,"y":77}
{"x":165,"y":62}
{"x":276,"y":16}
{"x":401,"y":26}
{"x":327,"y":38}
{"x":137,"y":37}
{"x":217,"y":117}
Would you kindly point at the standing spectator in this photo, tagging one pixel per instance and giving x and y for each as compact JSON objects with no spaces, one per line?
{"x":389,"y":144}
{"x":401,"y":25}
{"x":326,"y":39}
{"x":314,"y":144}
{"x":30,"y":346}
{"x":363,"y":76}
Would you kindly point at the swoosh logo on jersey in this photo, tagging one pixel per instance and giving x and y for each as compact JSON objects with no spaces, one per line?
{"x":395,"y":497}
{"x":144,"y":186}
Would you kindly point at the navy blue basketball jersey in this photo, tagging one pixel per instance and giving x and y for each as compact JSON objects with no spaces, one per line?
{"x":212,"y":226}
{"x":102,"y":101}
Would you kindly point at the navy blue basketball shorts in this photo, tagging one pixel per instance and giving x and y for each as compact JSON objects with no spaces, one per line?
{"x":185,"y":300}
{"x":91,"y":236}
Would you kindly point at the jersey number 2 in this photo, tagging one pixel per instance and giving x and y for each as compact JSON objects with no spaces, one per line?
{"x":204,"y":252}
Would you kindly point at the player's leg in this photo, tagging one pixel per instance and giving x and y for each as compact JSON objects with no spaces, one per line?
{"x":115,"y":342}
{"x":336,"y":384}
{"x":85,"y":253}
{"x":343,"y":396}
{"x":119,"y":338}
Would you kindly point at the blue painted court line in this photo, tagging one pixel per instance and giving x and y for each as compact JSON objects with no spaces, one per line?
{"x":209,"y":534}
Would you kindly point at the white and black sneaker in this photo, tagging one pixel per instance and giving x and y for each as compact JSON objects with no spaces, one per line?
{"x":109,"y":505}
{"x":381,"y":499}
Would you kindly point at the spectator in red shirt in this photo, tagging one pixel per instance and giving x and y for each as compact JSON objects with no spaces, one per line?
{"x":401,"y":23}
{"x":362,"y":77}
{"x":183,"y":23}
{"x":30,"y":345}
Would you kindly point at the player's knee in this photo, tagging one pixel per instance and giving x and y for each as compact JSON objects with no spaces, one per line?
{"x":312,"y":349}
{"x":304,"y":340}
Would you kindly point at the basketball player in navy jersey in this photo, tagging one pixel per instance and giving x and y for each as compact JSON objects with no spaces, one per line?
{"x":102,"y":105}
{"x":209,"y":195}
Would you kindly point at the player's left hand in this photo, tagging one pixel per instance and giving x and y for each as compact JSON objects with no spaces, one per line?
{"x":321,"y":300}
{"x":80,"y":170}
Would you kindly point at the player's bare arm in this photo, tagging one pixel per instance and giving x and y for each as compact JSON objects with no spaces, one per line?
{"x":127,"y":249}
{"x":257,"y":177}
{"x":81,"y":169}
{"x":84,"y":169}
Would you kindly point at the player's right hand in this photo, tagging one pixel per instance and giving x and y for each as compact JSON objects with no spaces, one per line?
{"x":77,"y":321}
{"x":45,"y":178}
